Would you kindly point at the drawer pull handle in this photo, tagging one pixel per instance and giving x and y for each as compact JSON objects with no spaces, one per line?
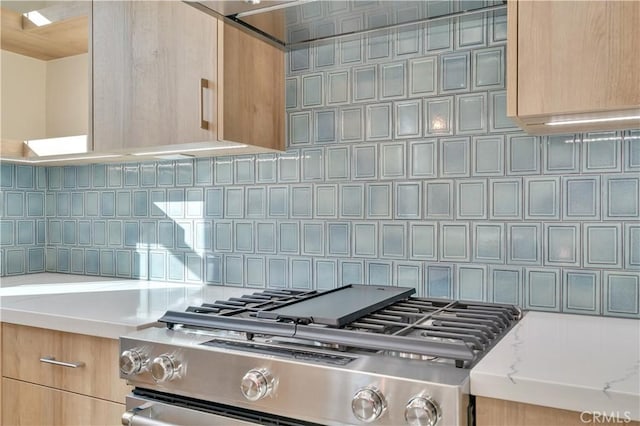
{"x":52,"y":360}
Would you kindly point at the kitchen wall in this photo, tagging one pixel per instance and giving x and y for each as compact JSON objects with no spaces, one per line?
{"x":44,"y":99}
{"x":24,"y":93}
{"x":402,"y":169}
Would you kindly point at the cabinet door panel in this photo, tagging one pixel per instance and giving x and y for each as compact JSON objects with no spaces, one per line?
{"x":22,"y":348}
{"x":498,"y":412}
{"x":29,"y":404}
{"x":253,"y":103}
{"x":577,"y":56}
{"x":149,"y":59}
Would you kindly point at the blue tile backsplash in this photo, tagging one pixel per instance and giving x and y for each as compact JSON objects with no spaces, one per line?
{"x":23,"y":222}
{"x":402,"y":169}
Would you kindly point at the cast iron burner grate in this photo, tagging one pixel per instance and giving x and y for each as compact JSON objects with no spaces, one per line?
{"x":415,"y":327}
{"x":248,"y":305}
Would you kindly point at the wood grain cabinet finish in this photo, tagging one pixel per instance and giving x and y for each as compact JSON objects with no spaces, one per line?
{"x":569,"y":60}
{"x":35,"y":405}
{"x":96,"y":382}
{"x":498,"y":412}
{"x":168,"y":75}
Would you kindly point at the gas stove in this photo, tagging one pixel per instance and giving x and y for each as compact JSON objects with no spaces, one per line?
{"x":353,"y":355}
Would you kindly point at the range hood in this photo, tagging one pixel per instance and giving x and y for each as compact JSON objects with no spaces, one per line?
{"x":291,"y":24}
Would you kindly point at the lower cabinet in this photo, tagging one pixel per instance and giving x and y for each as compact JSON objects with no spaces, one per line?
{"x":498,"y":412}
{"x":30,"y":404}
{"x":55,"y":378}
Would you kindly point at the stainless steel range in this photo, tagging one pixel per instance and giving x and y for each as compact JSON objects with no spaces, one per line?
{"x":352,"y":355}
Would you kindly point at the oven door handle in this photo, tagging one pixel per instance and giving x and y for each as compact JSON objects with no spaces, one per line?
{"x":137,"y":417}
{"x":150,"y":412}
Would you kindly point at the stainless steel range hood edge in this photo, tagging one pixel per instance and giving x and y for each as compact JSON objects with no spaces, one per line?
{"x":237,"y":13}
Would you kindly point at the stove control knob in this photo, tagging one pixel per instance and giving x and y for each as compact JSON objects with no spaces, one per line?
{"x":368,"y":404}
{"x":422,"y":411}
{"x":165,"y":368}
{"x":257,"y":384}
{"x":133,"y":361}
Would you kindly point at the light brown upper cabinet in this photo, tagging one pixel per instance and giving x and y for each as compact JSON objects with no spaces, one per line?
{"x":573,"y":61}
{"x":171,"y":79}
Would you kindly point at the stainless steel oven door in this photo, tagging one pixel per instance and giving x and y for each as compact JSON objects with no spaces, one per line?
{"x":148,"y":412}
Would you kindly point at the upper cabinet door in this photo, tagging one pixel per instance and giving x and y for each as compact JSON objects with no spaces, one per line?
{"x":154,"y":75}
{"x":573,"y":60}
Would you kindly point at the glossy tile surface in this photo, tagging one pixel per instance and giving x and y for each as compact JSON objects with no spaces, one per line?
{"x":402,"y":168}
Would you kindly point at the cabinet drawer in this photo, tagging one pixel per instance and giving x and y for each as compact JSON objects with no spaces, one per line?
{"x":29,"y":404}
{"x":24,"y":347}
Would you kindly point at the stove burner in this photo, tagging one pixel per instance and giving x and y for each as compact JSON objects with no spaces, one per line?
{"x":414,"y":328}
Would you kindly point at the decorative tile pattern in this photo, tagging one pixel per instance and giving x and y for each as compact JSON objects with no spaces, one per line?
{"x":542,"y":198}
{"x":408,"y":200}
{"x":489,"y":243}
{"x":392,"y":84}
{"x":560,"y":156}
{"x":505,"y":285}
{"x":379,"y":124}
{"x":524,"y":243}
{"x":364,"y":162}
{"x":439,"y":199}
{"x":581,"y":198}
{"x":455,"y":72}
{"x":471,"y":283}
{"x":438,"y":116}
{"x":392,"y":160}
{"x":523,"y":155}
{"x":454,"y":241}
{"x":488,"y":68}
{"x":439,"y":281}
{"x":423,"y":238}
{"x":581,"y":292}
{"x":423,"y":75}
{"x":400,"y":156}
{"x":408,"y":119}
{"x":409,"y":275}
{"x":423,"y":162}
{"x":454,"y":157}
{"x":392,"y":240}
{"x":351,"y":201}
{"x":488,"y":156}
{"x":602,"y":245}
{"x":505,"y":199}
{"x":542,"y":289}
{"x":632,"y":245}
{"x":601,"y":152}
{"x":621,"y":197}
{"x":471,"y":201}
{"x":621,"y":295}
{"x":562,"y":244}
{"x":471,"y":110}
{"x":365,"y":239}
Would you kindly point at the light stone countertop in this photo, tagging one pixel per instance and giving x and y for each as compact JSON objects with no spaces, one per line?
{"x":573,"y":362}
{"x":97,"y":306}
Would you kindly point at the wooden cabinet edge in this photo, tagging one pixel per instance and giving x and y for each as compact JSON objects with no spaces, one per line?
{"x":239,"y":93}
{"x":512,"y":59}
{"x":498,"y":412}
